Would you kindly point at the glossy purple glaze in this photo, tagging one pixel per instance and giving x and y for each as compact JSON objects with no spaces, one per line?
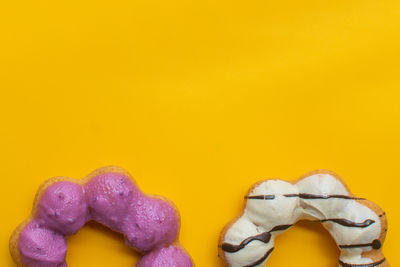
{"x":42,"y":247}
{"x":170,"y":256}
{"x":63,"y":208}
{"x":149,"y":224}
{"x":115,"y":201}
{"x":109,"y":196}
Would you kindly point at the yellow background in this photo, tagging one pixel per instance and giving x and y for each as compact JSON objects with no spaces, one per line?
{"x":198,"y":100}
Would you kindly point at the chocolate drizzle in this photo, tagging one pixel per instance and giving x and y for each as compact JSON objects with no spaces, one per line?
{"x":303,"y":196}
{"x":343,"y":264}
{"x":261,"y":197}
{"x":312,"y":196}
{"x":259,"y":261}
{"x":349,"y":223}
{"x":266,"y":236}
{"x":263,"y":237}
{"x":376,"y":244}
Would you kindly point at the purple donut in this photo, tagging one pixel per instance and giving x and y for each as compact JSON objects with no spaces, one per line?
{"x":150,"y":225}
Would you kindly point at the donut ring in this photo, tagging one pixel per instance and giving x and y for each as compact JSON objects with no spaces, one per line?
{"x":109,"y":196}
{"x":357,"y":225}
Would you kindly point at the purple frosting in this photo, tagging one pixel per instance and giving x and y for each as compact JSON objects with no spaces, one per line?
{"x":150,"y":222}
{"x":115,"y":201}
{"x":63,"y":208}
{"x":169,"y":256}
{"x":42,"y":247}
{"x":150,"y":225}
{"x":109,"y":196}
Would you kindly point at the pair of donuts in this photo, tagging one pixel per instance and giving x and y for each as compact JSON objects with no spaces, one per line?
{"x":151,"y":224}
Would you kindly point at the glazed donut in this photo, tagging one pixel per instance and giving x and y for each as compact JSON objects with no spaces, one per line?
{"x":109,"y":196}
{"x":357,"y":225}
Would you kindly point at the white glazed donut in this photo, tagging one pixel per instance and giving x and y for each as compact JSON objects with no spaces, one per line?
{"x":357,"y":225}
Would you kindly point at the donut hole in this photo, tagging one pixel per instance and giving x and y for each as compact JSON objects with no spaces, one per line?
{"x":301,"y":242}
{"x":98,"y":245}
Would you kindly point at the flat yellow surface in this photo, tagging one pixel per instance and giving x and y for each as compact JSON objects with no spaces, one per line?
{"x":198,"y":100}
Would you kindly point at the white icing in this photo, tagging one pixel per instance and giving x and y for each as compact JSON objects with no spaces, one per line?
{"x":239,"y":231}
{"x":263,"y":215}
{"x":269,"y":213}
